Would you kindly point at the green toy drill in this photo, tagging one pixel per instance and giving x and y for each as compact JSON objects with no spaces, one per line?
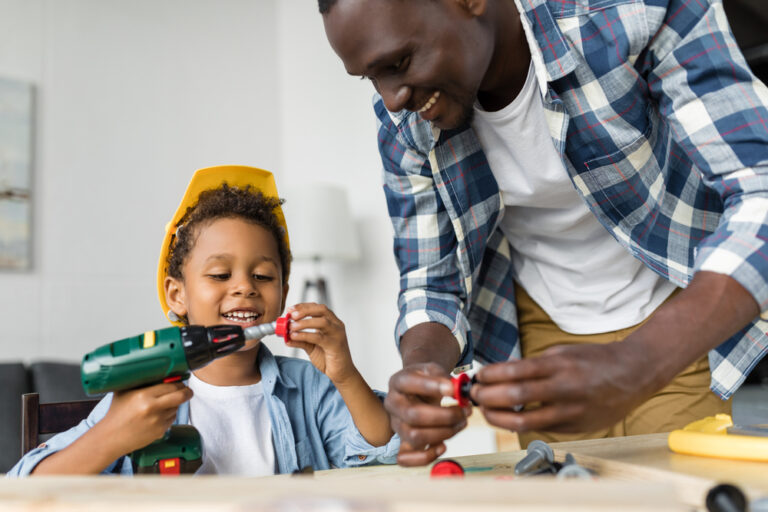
{"x":168,"y":355}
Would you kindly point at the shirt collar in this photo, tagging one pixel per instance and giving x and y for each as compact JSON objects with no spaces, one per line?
{"x":270,"y":371}
{"x":550,"y":51}
{"x":270,"y":376}
{"x":398,"y":117}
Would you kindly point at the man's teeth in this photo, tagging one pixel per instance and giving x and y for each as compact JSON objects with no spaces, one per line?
{"x":431,"y":101}
{"x":241,"y":316}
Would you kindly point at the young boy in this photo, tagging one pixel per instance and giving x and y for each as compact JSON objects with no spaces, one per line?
{"x":225,"y":260}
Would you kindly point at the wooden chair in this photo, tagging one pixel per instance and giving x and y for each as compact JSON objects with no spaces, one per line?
{"x":50,"y":418}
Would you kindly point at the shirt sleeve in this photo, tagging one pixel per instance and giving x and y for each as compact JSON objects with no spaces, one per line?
{"x":344,"y":445}
{"x":716,"y":110}
{"x":28,"y":462}
{"x":425,"y":244}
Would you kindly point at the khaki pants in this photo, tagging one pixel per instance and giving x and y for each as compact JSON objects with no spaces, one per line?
{"x":687,"y":398}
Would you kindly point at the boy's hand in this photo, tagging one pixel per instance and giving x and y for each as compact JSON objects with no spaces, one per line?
{"x":139,"y":416}
{"x":316,"y":330}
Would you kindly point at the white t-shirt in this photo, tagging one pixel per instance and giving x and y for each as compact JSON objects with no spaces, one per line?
{"x":562,"y":256}
{"x":234,"y":424}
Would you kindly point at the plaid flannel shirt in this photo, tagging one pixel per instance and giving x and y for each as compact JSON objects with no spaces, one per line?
{"x":663,"y":130}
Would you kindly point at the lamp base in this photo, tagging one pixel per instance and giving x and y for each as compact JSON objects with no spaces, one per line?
{"x":321,"y":288}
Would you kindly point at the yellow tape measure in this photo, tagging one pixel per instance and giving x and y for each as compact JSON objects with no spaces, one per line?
{"x":717,"y":436}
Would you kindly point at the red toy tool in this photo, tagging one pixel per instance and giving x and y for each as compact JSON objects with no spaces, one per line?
{"x":461,"y":386}
{"x":280,"y":327}
{"x":446,"y":467}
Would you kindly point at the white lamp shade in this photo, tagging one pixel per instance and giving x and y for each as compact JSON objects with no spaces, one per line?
{"x":320,"y":224}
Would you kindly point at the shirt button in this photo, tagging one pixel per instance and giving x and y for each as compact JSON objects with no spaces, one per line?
{"x":43,"y":445}
{"x":361,"y":457}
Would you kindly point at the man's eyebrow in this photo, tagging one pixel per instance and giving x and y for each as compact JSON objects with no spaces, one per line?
{"x":383,"y":58}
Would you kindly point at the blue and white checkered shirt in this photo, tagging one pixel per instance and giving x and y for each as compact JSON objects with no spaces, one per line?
{"x":663,"y":130}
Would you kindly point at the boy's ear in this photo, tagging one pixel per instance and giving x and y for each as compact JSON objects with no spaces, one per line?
{"x":175,"y":296}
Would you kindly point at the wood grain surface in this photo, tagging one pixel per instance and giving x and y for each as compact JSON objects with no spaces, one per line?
{"x":636,"y":473}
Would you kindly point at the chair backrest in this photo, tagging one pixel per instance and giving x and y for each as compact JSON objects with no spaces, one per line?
{"x":14,"y":382}
{"x":50,"y":418}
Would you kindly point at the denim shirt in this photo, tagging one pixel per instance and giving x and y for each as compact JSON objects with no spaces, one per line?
{"x":663,"y":130}
{"x":311,"y":425}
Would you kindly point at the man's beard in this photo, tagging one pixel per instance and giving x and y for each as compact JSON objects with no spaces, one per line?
{"x":466,"y":115}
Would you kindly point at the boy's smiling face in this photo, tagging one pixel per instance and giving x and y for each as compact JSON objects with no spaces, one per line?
{"x":232,"y":276}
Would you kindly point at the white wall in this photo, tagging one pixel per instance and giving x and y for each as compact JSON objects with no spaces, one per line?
{"x":329,"y":135}
{"x":134,"y":96}
{"x":21,"y":50}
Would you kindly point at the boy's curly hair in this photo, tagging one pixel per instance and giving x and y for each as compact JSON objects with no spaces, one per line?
{"x":227,"y":202}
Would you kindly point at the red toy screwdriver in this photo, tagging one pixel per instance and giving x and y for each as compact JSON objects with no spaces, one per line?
{"x":280,"y":327}
{"x":461,"y":386}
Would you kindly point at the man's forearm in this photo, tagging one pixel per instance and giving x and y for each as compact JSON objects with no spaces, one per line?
{"x":712,"y":309}
{"x":430,"y":343}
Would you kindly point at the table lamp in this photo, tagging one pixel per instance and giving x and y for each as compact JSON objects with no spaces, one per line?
{"x":321,"y":229}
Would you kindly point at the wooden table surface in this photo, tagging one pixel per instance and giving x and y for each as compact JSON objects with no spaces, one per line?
{"x":636,"y":473}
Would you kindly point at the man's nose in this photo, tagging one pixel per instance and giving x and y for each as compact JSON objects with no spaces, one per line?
{"x":395,"y":96}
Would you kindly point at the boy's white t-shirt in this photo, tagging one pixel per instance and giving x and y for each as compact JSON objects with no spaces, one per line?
{"x":563,"y":257}
{"x":234,"y":424}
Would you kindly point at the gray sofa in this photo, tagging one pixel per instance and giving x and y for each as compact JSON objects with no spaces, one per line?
{"x":54,"y":381}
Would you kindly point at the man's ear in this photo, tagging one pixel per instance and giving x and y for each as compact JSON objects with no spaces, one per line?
{"x":285,"y":296}
{"x":175,"y":296}
{"x":474,"y":7}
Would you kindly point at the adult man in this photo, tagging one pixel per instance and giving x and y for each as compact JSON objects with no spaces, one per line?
{"x":570,"y":165}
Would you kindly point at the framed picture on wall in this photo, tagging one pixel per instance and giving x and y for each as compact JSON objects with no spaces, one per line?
{"x":16,"y":104}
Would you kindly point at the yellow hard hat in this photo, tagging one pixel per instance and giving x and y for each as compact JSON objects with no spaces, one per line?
{"x":207,"y":179}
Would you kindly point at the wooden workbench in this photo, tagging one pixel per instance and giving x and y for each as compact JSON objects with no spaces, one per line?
{"x":632,"y":459}
{"x":637,"y":474}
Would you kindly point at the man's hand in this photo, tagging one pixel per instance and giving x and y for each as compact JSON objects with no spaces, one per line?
{"x":413,"y":403}
{"x":580,"y":388}
{"x":586,"y":387}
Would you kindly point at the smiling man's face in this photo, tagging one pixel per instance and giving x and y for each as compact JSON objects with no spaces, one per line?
{"x":426,"y":56}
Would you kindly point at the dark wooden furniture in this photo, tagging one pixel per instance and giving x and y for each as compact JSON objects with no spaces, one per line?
{"x":50,"y":418}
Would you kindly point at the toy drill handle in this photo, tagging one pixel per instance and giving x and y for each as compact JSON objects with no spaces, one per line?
{"x":156,"y":356}
{"x":179,"y":451}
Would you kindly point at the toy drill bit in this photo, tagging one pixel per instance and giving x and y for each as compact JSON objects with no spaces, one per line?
{"x":280,"y":327}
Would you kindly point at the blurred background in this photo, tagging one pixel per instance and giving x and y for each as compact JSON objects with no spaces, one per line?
{"x":129,"y":99}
